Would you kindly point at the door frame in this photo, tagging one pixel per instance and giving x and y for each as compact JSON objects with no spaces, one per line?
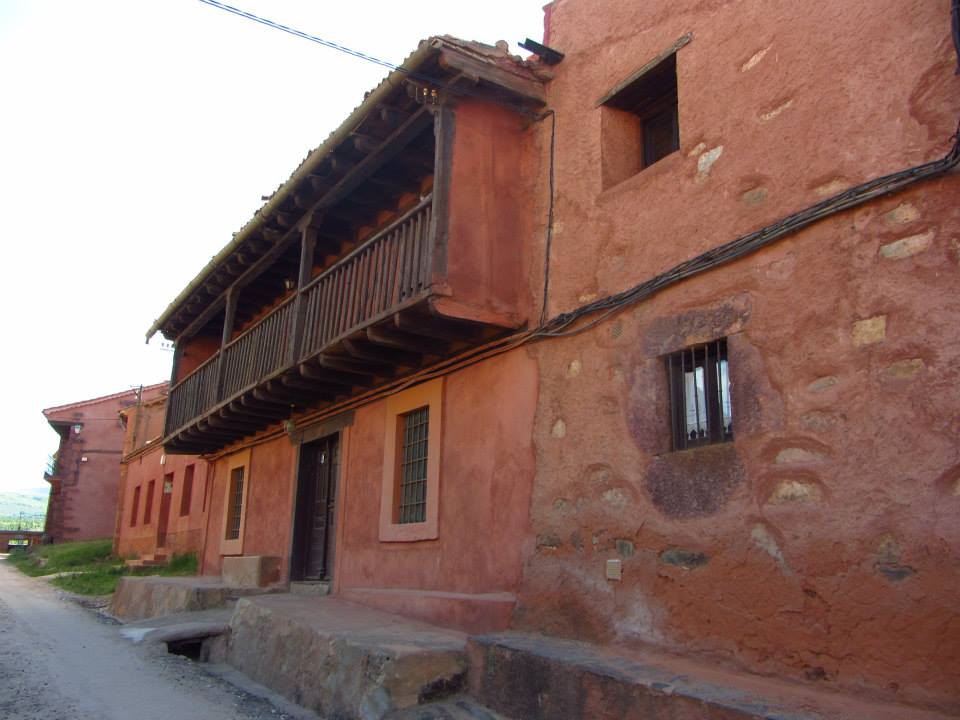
{"x":299,"y":437}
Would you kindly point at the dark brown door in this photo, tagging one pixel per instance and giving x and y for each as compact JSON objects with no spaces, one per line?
{"x":316,"y":511}
{"x":164,"y":519}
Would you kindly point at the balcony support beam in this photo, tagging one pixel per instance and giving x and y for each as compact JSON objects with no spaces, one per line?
{"x":308,"y":243}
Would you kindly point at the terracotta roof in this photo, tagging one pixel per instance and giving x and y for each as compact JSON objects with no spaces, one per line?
{"x":494,"y":56}
{"x":57,"y":409}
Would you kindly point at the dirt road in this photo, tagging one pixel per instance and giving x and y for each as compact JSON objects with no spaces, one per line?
{"x":59,"y":661}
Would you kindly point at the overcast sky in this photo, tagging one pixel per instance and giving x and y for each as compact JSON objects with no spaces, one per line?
{"x":135,"y":137}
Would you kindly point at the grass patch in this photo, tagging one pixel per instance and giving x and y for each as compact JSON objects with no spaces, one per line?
{"x":93,"y":568}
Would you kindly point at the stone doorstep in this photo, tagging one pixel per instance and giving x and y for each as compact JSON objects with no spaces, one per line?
{"x":342,"y":659}
{"x":310,"y":587}
{"x":539,"y":678}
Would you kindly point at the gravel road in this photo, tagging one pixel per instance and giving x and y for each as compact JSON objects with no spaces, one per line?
{"x":59,"y":661}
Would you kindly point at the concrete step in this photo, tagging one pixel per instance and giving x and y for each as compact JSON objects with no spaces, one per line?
{"x":310,"y":587}
{"x":539,"y":678}
{"x":460,"y":707}
{"x":147,"y":561}
{"x":341,"y":659}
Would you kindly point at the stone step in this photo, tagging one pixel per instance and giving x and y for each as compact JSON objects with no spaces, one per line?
{"x":540,"y":678}
{"x":310,"y":587}
{"x":341,"y":659}
{"x":460,"y":707}
{"x":138,"y":598}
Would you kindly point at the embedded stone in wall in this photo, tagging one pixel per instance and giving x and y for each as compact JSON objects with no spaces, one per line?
{"x":559,"y":429}
{"x":696,"y":482}
{"x":902,"y":214}
{"x":547,"y":541}
{"x":905,"y":247}
{"x":822,"y":383}
{"x":869,"y":331}
{"x":904,"y":369}
{"x":755,"y":59}
{"x":888,"y":560}
{"x":765,"y":541}
{"x":754,"y":196}
{"x":697,"y":149}
{"x":686,"y":559}
{"x":625,"y":548}
{"x":771,"y":114}
{"x":795,"y":491}
{"x":573,"y":369}
{"x":831,"y":188}
{"x":705,"y":162}
{"x":793,"y":455}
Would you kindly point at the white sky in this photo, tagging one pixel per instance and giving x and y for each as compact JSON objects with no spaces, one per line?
{"x":135,"y":137}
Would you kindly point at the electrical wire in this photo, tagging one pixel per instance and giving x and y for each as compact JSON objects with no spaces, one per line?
{"x":549,"y":241}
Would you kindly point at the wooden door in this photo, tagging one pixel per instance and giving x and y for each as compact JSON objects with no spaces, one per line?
{"x":316,"y":512}
{"x":164,"y":518}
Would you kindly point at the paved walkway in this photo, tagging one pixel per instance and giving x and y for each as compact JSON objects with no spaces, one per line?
{"x":61,"y":662}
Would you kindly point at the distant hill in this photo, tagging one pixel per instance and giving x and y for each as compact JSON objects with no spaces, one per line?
{"x":28,"y":502}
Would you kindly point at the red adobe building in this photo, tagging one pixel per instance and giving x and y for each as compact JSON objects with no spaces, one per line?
{"x":652,"y":347}
{"x":84,"y":474}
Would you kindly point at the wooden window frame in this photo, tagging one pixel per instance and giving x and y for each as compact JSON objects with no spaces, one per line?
{"x":186,"y":490}
{"x":237,"y":460}
{"x":135,"y":510}
{"x":430,"y":395}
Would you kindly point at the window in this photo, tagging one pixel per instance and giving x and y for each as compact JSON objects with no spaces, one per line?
{"x":148,"y":505}
{"x":410,"y":498}
{"x":235,"y":503}
{"x":701,"y":412}
{"x":186,"y":494}
{"x":640,"y":120}
{"x":411,"y":506}
{"x":136,"y":506}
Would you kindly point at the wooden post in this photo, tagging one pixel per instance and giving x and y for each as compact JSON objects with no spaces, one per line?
{"x":442,"y":169}
{"x":229,"y":312}
{"x":308,"y":241}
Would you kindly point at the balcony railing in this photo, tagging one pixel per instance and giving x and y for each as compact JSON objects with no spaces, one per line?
{"x":383,"y":274}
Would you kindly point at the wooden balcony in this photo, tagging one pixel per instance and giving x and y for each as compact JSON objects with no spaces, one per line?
{"x":359,"y":323}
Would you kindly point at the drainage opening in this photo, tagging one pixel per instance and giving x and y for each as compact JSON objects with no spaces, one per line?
{"x":187,"y":648}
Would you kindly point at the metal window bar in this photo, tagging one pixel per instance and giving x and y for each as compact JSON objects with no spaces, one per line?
{"x":701,"y":411}
{"x":236,"y":504}
{"x":412,"y":507}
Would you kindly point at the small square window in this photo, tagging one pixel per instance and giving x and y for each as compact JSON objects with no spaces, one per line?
{"x":701,"y":411}
{"x":640,"y":122}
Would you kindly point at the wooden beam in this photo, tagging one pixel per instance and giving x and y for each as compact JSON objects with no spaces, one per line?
{"x":387,"y":357}
{"x":356,"y":365}
{"x":530,"y":91}
{"x":436,"y":328}
{"x":403,"y":341}
{"x":316,"y":371}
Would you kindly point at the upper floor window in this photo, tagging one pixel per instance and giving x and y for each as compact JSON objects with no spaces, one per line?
{"x":701,"y":411}
{"x":640,"y":122}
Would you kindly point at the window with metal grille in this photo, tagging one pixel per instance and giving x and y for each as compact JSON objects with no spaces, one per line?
{"x":235,"y":506}
{"x":412,"y":489}
{"x":186,"y":495}
{"x":700,"y":409}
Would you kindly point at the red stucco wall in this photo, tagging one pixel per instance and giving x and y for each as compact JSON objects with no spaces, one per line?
{"x":820,"y":545}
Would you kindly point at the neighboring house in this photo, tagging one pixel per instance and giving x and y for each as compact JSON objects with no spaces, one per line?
{"x":162,"y":498}
{"x":84,"y":473}
{"x":752,"y":462}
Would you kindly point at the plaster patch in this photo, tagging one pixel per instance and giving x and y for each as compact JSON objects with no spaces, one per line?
{"x":559,"y":429}
{"x":768,"y":116}
{"x":767,"y":543}
{"x":755,"y":59}
{"x":902,"y":214}
{"x":905,"y":247}
{"x":822,"y":383}
{"x":706,"y":161}
{"x":792,"y":455}
{"x":870,"y":331}
{"x":904,"y":369}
